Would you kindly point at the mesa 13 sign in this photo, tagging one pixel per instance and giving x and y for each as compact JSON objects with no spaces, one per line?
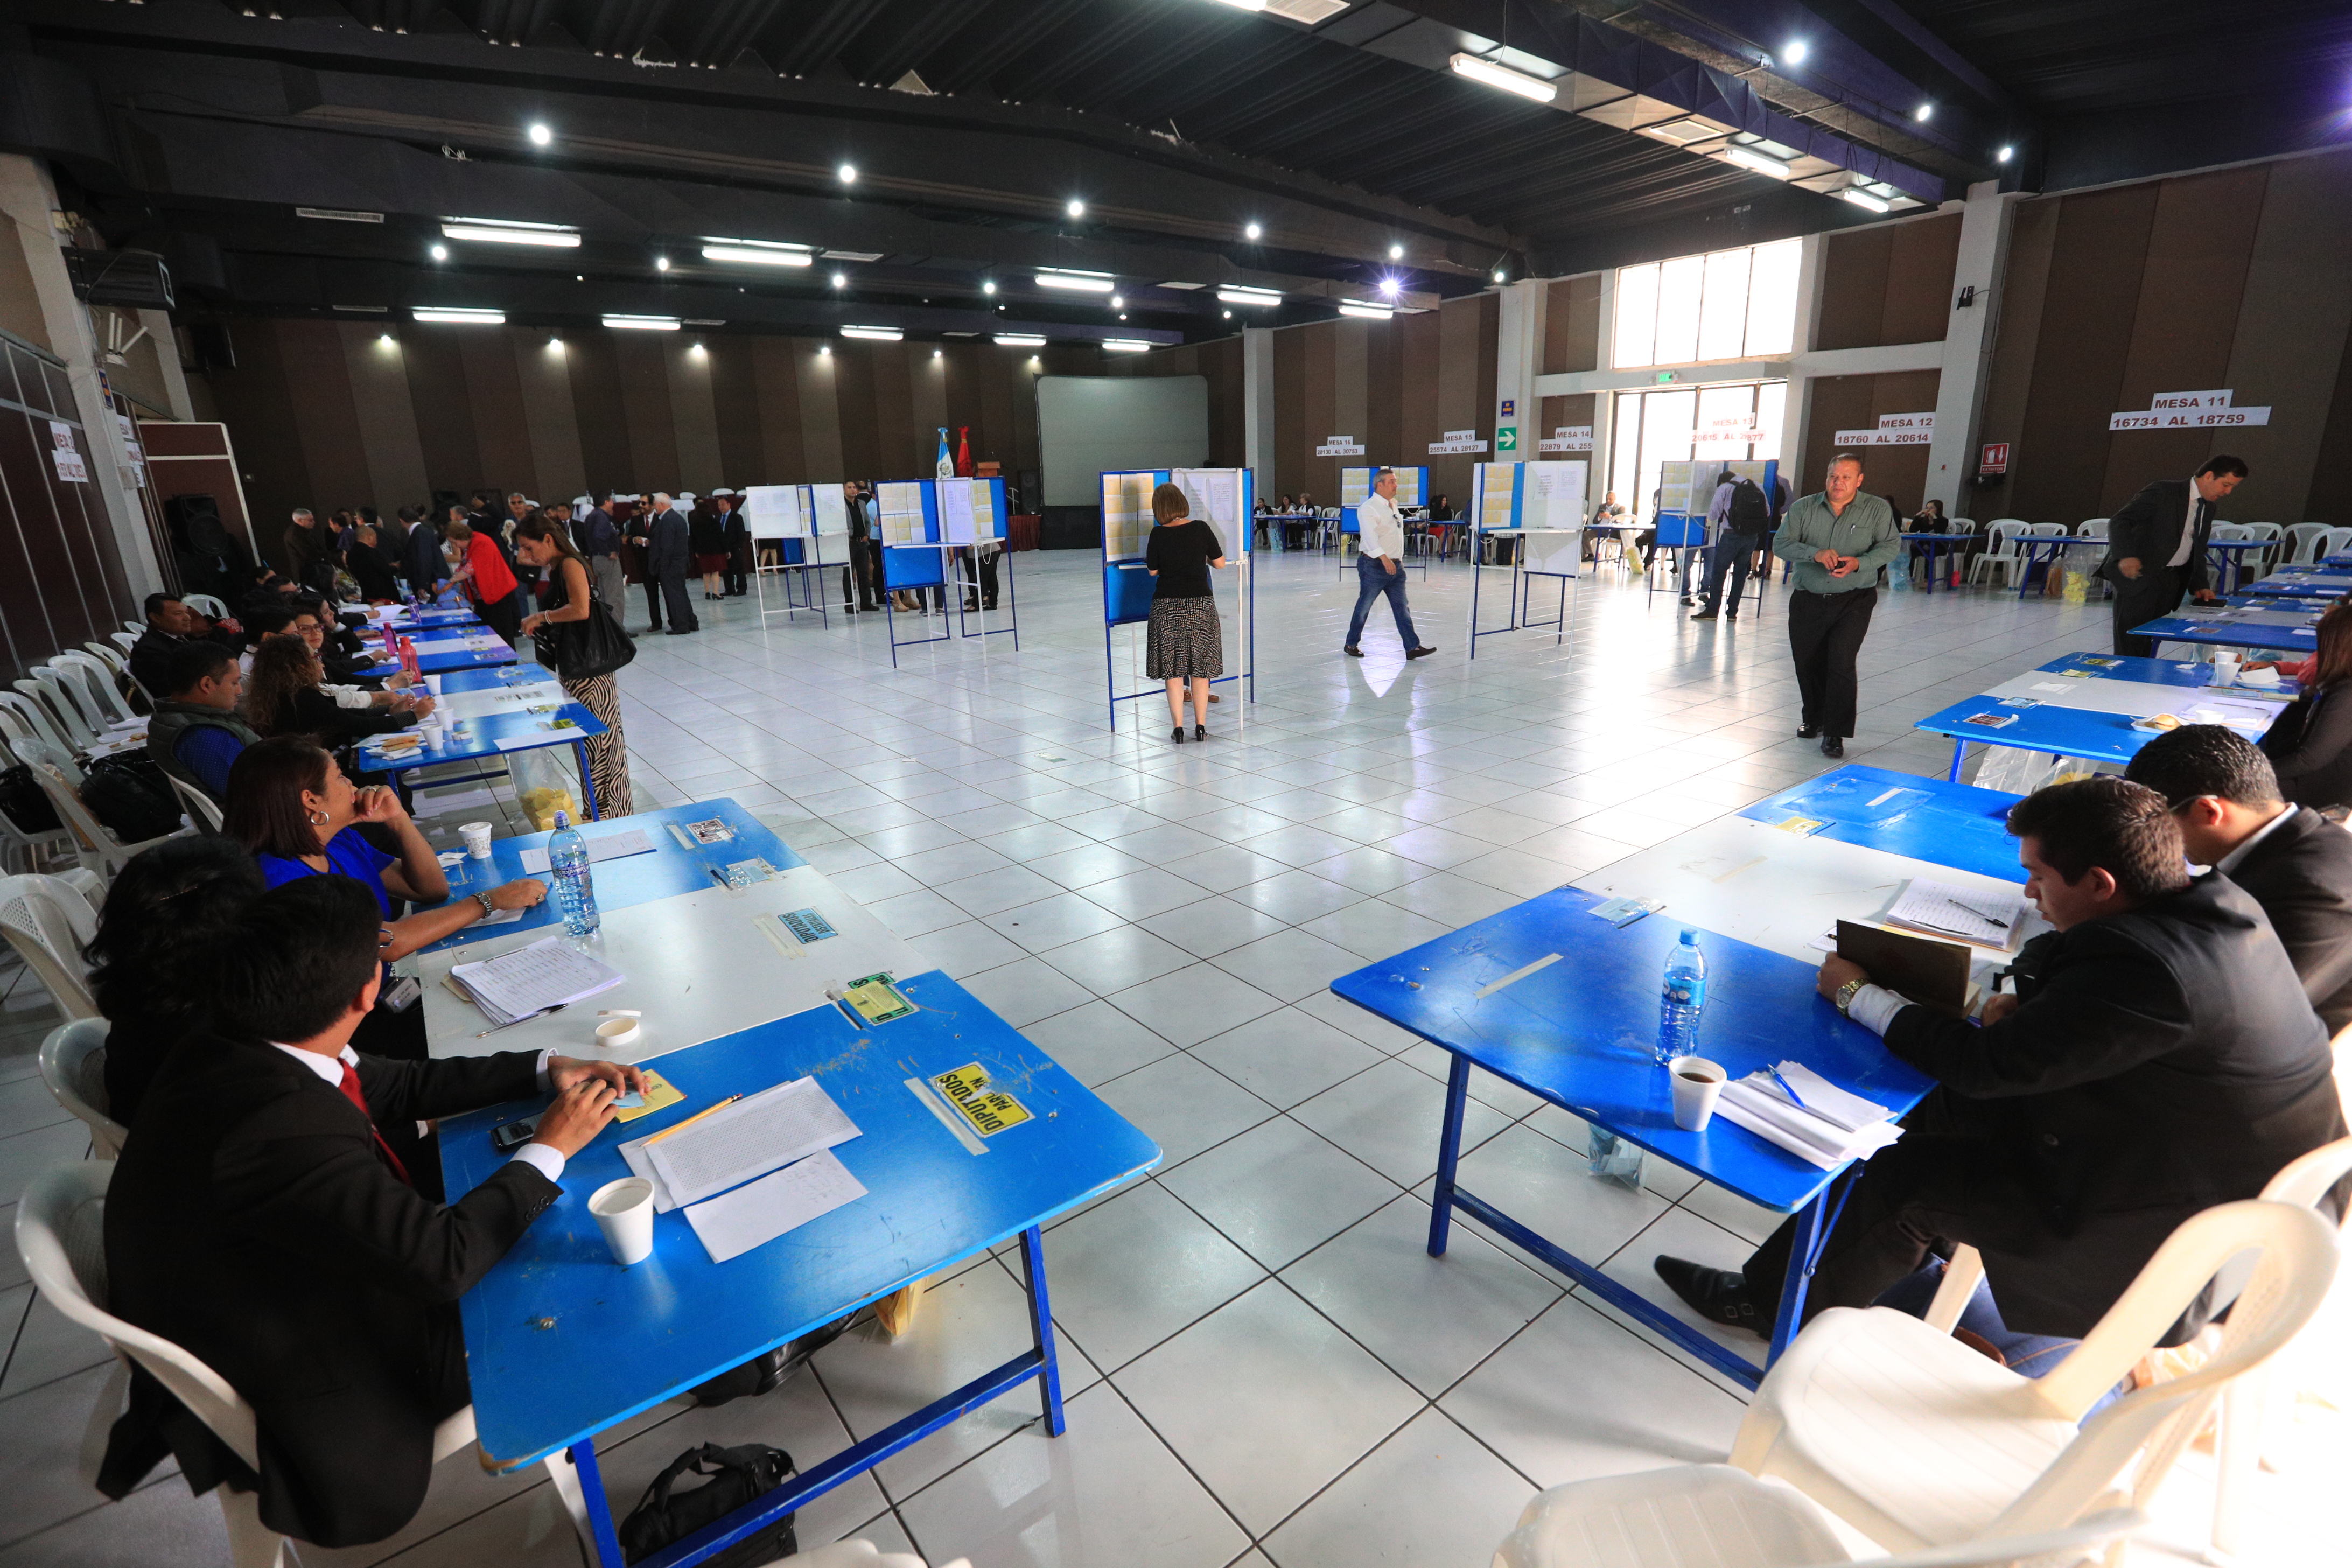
{"x":2188,"y":411}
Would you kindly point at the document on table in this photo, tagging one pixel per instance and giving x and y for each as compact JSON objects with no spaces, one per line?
{"x":1988,"y":919}
{"x":1830,"y":1126}
{"x":749,"y":1139}
{"x":751,"y":1215}
{"x":532,"y":979}
{"x":605,"y":846}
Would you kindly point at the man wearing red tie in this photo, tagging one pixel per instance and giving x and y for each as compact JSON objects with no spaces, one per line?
{"x":259,"y":1219}
{"x":2155,"y":548}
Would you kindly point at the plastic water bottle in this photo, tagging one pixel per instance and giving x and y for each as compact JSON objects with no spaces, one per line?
{"x":575,"y":888}
{"x":1682,"y":999}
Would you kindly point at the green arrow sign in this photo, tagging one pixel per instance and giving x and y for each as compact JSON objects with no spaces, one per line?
{"x":1506,"y":438}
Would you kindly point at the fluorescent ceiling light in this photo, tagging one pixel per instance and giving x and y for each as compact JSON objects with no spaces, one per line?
{"x":756,"y":252}
{"x":1503,"y":77}
{"x":1749,"y":158}
{"x":1369,"y":312}
{"x":1235,"y":294}
{"x":1083,"y":283}
{"x":851,"y":255}
{"x":1171,"y":284}
{"x":499,"y":231}
{"x":1019,"y":341}
{"x":876,"y":334}
{"x":462,"y":318}
{"x":1126,"y":346}
{"x":363,"y":309}
{"x":1246,"y":4}
{"x":705,"y":321}
{"x":642,"y":323}
{"x":339,"y":214}
{"x":1862,"y":199}
{"x":540,"y":136}
{"x":1682,"y":133}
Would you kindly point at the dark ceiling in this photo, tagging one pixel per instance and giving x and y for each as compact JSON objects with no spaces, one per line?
{"x":197,"y":127}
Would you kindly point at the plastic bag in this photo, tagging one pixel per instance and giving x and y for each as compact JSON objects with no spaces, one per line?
{"x":2017,"y":771}
{"x":2077,"y":566}
{"x":545,"y":781}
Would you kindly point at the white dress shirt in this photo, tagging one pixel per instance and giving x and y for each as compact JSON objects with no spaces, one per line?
{"x":2187,"y":529}
{"x":1383,"y":531}
{"x":548,"y":1162}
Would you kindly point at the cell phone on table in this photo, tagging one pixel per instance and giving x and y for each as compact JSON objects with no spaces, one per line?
{"x":513,"y":1135}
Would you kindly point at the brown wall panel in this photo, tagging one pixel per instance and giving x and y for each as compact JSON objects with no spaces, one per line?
{"x":1853,"y":287}
{"x":1319,"y":477}
{"x":605,"y":451}
{"x":445,"y":412}
{"x":494,"y":389}
{"x":1854,"y":403}
{"x":644,"y":381}
{"x":1289,"y":412}
{"x":779,"y":452}
{"x":1920,"y":266}
{"x":1574,"y":409}
{"x":853,"y":389}
{"x":903,"y":447}
{"x":334,"y":456}
{"x":693,"y":414}
{"x":559,"y":469}
{"x":2330,"y":499}
{"x":1572,"y":326}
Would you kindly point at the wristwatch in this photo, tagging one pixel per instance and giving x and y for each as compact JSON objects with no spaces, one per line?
{"x":489,"y":908}
{"x":1845,"y":993}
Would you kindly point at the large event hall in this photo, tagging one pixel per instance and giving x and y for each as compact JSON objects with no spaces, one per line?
{"x":1175,"y":783}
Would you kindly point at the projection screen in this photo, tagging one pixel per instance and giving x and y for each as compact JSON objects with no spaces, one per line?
{"x":1090,"y":424}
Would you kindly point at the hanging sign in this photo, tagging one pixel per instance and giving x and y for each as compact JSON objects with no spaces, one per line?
{"x":1339,"y":446}
{"x":1996,"y":458}
{"x":1894,"y":430}
{"x":1457,"y":441}
{"x":2188,"y":411}
{"x":70,"y":468}
{"x":1568,"y":439}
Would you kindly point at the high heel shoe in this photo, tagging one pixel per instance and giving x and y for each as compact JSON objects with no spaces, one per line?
{"x":1199,"y":731}
{"x":1179,"y":736}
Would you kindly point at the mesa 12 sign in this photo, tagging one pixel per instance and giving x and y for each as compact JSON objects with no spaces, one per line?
{"x":2188,"y":411}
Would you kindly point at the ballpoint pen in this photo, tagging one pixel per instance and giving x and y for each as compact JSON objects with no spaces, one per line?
{"x":1787,"y":1088}
{"x":525,"y":1018}
{"x":1989,"y":919}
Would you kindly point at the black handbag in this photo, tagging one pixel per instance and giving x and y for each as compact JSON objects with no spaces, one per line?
{"x":25,"y":801}
{"x":737,"y":1476}
{"x":582,"y":650}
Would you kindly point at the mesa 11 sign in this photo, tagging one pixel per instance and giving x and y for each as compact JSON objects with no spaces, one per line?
{"x":2188,"y":411}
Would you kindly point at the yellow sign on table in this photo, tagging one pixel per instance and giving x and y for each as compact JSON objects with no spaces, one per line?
{"x":660,"y":1094}
{"x":989,"y":1111}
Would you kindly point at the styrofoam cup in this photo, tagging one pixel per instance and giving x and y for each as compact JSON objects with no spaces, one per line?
{"x":476,"y":835}
{"x":2225,"y":668}
{"x":624,"y":1213}
{"x":1698,"y":1083}
{"x":432,"y":684}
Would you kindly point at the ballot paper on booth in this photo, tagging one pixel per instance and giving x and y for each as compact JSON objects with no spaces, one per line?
{"x":774,"y":511}
{"x":957,"y":522}
{"x":1830,"y":1126}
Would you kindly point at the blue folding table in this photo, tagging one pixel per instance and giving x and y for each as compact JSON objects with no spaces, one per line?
{"x":2094,"y":721}
{"x":2301,"y":584}
{"x":1578,"y":1033}
{"x":561,"y":1343}
{"x":2230,"y":626}
{"x":483,"y":652}
{"x":558,"y":721}
{"x":1933,"y":547}
{"x":1942,"y":823}
{"x":676,"y":864}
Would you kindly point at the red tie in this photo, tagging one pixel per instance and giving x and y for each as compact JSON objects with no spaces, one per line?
{"x":351,"y":1087}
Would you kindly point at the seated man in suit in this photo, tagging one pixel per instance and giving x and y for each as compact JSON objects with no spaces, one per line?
{"x":259,"y":1219}
{"x":2155,"y":548}
{"x":2295,"y":863}
{"x":170,"y":625}
{"x":195,"y":734}
{"x":2158,"y":1059}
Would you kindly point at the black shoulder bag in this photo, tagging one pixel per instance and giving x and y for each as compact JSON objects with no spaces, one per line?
{"x":582,"y":650}
{"x":737,"y":1476}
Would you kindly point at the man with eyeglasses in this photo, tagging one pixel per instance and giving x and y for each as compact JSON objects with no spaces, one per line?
{"x":2295,"y":862}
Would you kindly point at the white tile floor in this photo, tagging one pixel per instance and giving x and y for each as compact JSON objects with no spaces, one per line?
{"x":1264,"y":1364}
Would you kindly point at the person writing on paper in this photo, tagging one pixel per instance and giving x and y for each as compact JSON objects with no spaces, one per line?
{"x":1185,"y":643}
{"x":259,"y":1219}
{"x":1380,"y":566}
{"x":2155,"y":548}
{"x":2158,"y":1059}
{"x":1837,"y":540}
{"x":2295,"y":863}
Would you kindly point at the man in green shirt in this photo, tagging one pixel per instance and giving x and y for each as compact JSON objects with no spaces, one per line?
{"x":1837,"y":540}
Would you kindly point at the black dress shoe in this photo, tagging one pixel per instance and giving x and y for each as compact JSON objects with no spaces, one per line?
{"x":1718,"y":1295}
{"x":1179,"y":736}
{"x":1705,"y":615}
{"x":1353,"y":652}
{"x":1810,"y":733}
{"x":1832,"y":746}
{"x":1419,"y":652}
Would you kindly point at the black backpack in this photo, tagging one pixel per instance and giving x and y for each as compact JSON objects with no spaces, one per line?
{"x":737,"y":1476}
{"x":130,"y":794}
{"x":1750,"y":512}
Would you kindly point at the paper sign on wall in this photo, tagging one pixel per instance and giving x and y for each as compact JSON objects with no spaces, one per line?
{"x":1339,"y":446}
{"x":2189,"y":411}
{"x":1894,"y":430}
{"x":1568,"y":439}
{"x":1457,"y":441}
{"x":70,"y":468}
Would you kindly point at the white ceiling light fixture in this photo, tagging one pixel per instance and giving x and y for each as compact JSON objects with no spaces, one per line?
{"x":1492,"y":75}
{"x":988,"y":286}
{"x":1794,"y":52}
{"x":1756,"y":163}
{"x":1187,"y":287}
{"x":1924,"y":113}
{"x":1020,"y":341}
{"x":874,"y":335}
{"x":440,"y":253}
{"x":1126,"y":346}
{"x":339,"y":214}
{"x":756,"y":252}
{"x":1117,"y":304}
{"x":1863,"y":199}
{"x":661,"y":263}
{"x":2005,"y":154}
{"x":1075,"y":207}
{"x":540,"y":136}
{"x":1240,"y":294}
{"x":848,"y":172}
{"x":456,"y":316}
{"x":841,"y":281}
{"x":825,"y":351}
{"x":1252,"y":232}
{"x":624,"y":323}
{"x":1246,"y":4}
{"x":499,"y":231}
{"x":1365,"y":310}
{"x":1396,"y":253}
{"x":1388,"y":286}
{"x":1229,"y":315}
{"x":1075,"y":281}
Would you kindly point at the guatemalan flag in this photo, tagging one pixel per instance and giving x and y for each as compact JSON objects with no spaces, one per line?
{"x":945,"y":468}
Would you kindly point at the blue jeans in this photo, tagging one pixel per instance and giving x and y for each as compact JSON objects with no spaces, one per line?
{"x":1731,"y":553}
{"x":1371,"y":581}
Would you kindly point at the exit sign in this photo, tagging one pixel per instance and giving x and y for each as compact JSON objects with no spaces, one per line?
{"x":1665,"y":376}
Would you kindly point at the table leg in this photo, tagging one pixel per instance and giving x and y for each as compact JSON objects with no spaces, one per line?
{"x":1960,"y":750}
{"x":605,"y":1543}
{"x":587,"y":779}
{"x":1041,"y":1326}
{"x":1449,"y":1153}
{"x":1813,"y":1227}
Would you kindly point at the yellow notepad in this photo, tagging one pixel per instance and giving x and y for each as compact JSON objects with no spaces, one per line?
{"x":660,"y":1094}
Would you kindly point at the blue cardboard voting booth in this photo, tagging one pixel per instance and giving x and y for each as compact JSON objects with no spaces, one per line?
{"x":1222,"y":497}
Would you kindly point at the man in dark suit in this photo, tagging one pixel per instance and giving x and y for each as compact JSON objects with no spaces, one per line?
{"x":170,"y":625}
{"x":259,"y":1219}
{"x":668,"y":540}
{"x":2158,"y":1059}
{"x":860,"y":569}
{"x":2155,"y":548}
{"x":2296,"y":863}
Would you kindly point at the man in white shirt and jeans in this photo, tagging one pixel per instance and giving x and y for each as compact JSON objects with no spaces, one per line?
{"x":1380,"y":566}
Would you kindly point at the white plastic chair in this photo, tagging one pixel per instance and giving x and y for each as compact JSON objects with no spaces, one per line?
{"x":111,"y":657}
{"x":50,"y":922}
{"x":1918,"y":1441}
{"x":2303,"y":542}
{"x":98,"y":676}
{"x":126,"y":641}
{"x":25,"y":723}
{"x":1713,"y":1516}
{"x":47,"y":693}
{"x":73,"y":1064}
{"x":2092,"y":528}
{"x":2000,"y":554}
{"x":202,"y":809}
{"x":61,"y":1233}
{"x":95,"y":843}
{"x":206,"y":603}
{"x":2335,"y":541}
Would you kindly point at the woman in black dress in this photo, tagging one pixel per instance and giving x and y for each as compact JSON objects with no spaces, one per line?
{"x":1185,"y":641}
{"x":706,"y":536}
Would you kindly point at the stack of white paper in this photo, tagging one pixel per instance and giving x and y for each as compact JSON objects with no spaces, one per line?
{"x":1828,"y":1129}
{"x":1988,"y":918}
{"x":751,"y":1215}
{"x":749,"y":1139}
{"x":547,"y":973}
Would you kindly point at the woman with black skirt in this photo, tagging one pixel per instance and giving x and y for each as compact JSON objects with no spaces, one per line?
{"x":1185,"y":641}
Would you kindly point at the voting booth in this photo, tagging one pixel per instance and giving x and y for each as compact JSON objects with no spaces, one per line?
{"x":927,"y":527}
{"x":1532,"y":514}
{"x":1225,"y":500}
{"x":1686,"y":488}
{"x":795,"y":537}
{"x":1356,"y":486}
